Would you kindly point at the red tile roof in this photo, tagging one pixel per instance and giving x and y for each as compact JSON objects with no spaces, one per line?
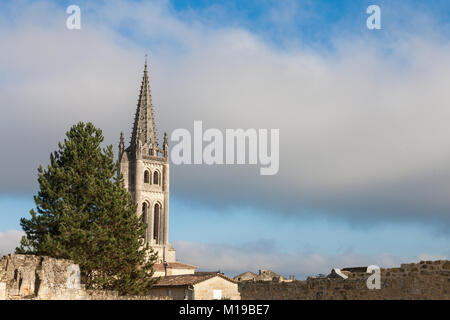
{"x":173,"y":265}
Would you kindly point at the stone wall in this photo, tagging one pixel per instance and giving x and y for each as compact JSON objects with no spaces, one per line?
{"x":33,"y":277}
{"x":424,"y":280}
{"x":176,"y":293}
{"x":45,"y":278}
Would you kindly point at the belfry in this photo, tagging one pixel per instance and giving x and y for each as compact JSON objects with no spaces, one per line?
{"x":145,"y":169}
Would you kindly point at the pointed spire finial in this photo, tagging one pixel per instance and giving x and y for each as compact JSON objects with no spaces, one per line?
{"x":146,"y":65}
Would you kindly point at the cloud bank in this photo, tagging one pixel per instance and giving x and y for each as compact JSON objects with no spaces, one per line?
{"x":258,"y":255}
{"x":363,"y":128}
{"x":234,"y":260}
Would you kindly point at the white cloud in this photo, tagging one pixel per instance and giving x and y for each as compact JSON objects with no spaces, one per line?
{"x":431,"y":257}
{"x":237,"y":259}
{"x":9,"y":240}
{"x":361,"y":131}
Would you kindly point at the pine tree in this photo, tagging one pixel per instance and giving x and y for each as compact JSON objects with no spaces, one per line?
{"x":85,"y":214}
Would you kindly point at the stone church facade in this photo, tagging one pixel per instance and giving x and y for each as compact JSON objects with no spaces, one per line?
{"x":145,"y":169}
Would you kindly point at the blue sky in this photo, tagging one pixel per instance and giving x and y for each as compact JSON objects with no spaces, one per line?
{"x":364,"y":173}
{"x":196,"y":223}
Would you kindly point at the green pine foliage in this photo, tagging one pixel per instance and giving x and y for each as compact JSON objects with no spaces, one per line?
{"x":85,"y":214}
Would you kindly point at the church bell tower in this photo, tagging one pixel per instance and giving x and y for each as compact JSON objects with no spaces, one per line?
{"x":145,"y":169}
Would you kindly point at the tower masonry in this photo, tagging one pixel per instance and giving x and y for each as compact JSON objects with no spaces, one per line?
{"x":145,"y":169}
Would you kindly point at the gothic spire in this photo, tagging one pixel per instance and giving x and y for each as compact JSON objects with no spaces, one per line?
{"x":121,"y":144}
{"x":144,"y":130}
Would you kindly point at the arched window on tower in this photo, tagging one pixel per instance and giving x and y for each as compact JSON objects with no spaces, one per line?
{"x":144,"y":216}
{"x":156,"y":178}
{"x":156,"y":221}
{"x":146,"y":177}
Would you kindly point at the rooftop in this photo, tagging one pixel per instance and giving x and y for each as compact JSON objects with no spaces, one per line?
{"x":188,"y":279}
{"x":173,"y":265}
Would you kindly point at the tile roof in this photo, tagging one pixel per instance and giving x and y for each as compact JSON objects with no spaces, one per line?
{"x":246,"y":273}
{"x":188,"y":279}
{"x":173,"y":265}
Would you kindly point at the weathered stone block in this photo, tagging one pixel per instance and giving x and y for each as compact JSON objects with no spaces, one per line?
{"x":2,"y":290}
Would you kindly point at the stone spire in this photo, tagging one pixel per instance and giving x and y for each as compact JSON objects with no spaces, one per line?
{"x":121,"y":144}
{"x":144,"y":130}
{"x":145,"y":170}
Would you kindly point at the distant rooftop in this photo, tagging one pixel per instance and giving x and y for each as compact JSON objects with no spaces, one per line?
{"x":189,"y":279}
{"x":173,"y":265}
